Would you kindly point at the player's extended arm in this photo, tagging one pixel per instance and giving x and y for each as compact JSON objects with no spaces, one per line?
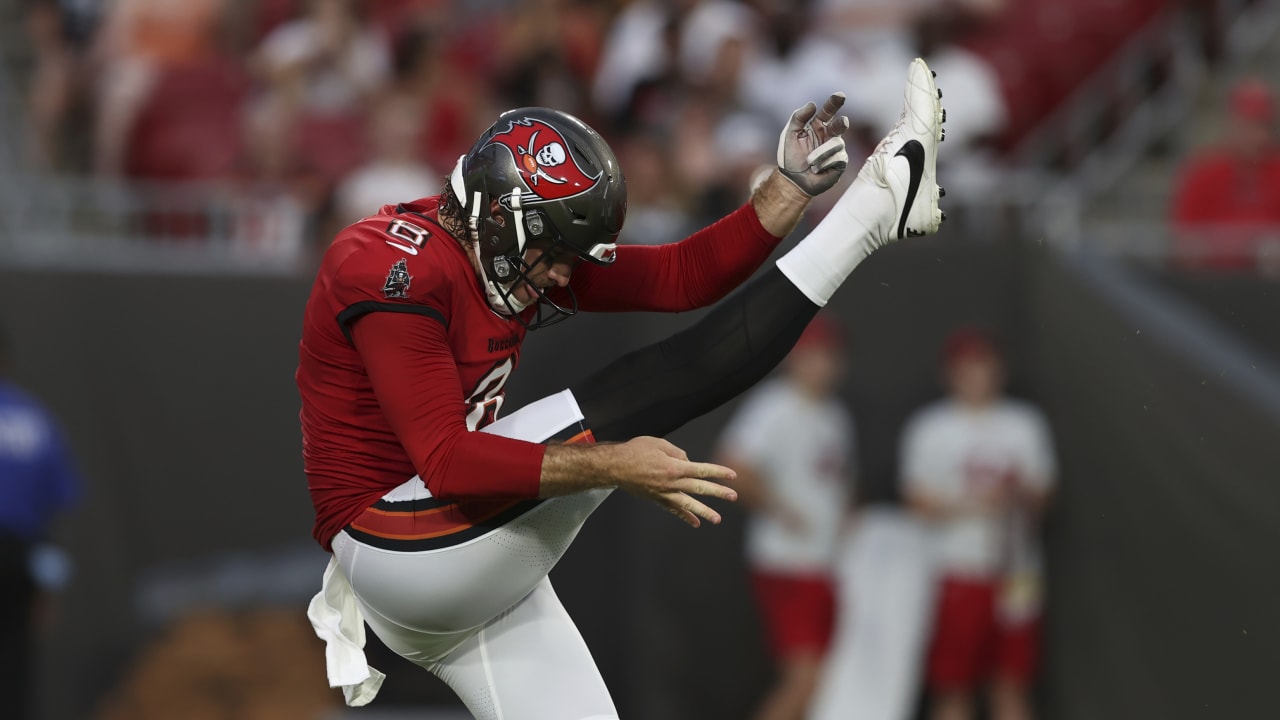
{"x":415,"y":380}
{"x":649,"y":467}
{"x":706,"y":266}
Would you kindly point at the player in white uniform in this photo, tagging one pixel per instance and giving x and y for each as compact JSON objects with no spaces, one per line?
{"x":791,"y":444}
{"x":979,"y":467}
{"x":480,"y":613}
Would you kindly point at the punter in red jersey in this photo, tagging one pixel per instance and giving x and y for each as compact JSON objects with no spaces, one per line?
{"x":443,"y":537}
{"x":412,"y":329}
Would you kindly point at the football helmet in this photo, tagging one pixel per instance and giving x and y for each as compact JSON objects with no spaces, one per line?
{"x":538,"y":176}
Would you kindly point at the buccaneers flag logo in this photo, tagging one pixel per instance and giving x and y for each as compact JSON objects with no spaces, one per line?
{"x":542,"y":156}
{"x":398,"y":280}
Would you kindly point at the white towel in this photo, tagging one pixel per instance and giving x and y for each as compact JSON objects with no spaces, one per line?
{"x":333,"y":612}
{"x":337,"y":621}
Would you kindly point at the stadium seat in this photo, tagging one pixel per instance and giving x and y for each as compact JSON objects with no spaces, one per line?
{"x":330,"y":145}
{"x":189,"y":126}
{"x":1044,"y":50}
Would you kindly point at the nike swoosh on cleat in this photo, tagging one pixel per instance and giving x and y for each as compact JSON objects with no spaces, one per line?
{"x":913,"y":151}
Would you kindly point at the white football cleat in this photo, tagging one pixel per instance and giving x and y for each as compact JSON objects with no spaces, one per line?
{"x":906,"y":160}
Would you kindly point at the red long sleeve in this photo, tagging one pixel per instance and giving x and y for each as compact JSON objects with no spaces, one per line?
{"x":415,"y":381}
{"x":686,"y":275}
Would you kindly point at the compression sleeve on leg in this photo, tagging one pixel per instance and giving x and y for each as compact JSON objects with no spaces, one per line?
{"x":658,"y":388}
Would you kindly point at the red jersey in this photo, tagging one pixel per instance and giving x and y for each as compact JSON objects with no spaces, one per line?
{"x":402,"y":356}
{"x":1227,"y":204}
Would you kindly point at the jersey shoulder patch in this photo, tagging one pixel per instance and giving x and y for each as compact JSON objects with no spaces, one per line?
{"x":393,"y":258}
{"x":385,"y":263}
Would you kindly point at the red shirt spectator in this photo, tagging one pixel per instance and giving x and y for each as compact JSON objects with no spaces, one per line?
{"x":1228,"y":198}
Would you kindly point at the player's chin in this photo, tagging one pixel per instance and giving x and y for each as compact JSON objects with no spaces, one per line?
{"x":524,"y":293}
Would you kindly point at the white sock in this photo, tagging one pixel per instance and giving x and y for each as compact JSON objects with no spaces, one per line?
{"x":847,"y":235}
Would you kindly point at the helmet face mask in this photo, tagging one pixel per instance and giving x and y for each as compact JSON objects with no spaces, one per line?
{"x":516,"y":270}
{"x":543,"y":177}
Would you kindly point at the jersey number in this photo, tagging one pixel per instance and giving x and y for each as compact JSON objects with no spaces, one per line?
{"x":486,"y":400}
{"x":409,"y":237}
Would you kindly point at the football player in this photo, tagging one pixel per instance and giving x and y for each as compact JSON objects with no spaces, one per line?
{"x":443,"y":537}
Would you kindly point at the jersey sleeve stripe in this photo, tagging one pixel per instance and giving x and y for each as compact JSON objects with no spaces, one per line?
{"x":358,"y":310}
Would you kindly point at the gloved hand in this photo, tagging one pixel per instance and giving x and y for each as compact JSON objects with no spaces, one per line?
{"x":811,"y":151}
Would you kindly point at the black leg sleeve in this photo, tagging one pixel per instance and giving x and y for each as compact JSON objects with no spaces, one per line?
{"x":658,"y":388}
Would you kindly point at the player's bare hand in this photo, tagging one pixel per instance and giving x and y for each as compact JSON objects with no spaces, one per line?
{"x":656,"y":470}
{"x":811,"y":151}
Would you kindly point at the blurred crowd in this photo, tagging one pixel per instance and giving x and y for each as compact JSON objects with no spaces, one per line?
{"x":313,"y":113}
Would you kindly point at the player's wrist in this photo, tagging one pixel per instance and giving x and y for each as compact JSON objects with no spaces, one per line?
{"x":574,"y":468}
{"x":779,"y":203}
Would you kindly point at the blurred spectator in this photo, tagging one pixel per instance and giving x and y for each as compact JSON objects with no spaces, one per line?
{"x":878,"y":42}
{"x":642,"y":43}
{"x":139,"y":40}
{"x":59,"y":36}
{"x":880,"y":37}
{"x":742,"y":144}
{"x":445,"y":95}
{"x":715,"y":153}
{"x":1226,"y":208}
{"x":979,"y":468}
{"x":977,"y":114}
{"x":655,"y":213}
{"x":37,"y":481}
{"x":548,"y":53}
{"x":393,"y":174}
{"x":794,"y":64}
{"x":188,"y":127}
{"x":719,"y":40}
{"x":276,"y":200}
{"x":453,"y":100}
{"x":327,"y":62}
{"x":791,"y":444}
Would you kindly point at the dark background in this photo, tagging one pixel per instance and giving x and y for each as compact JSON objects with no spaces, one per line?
{"x":178,"y":396}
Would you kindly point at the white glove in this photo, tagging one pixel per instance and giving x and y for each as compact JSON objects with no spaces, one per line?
{"x":811,"y":151}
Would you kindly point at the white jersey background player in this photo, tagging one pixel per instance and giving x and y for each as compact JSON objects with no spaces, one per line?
{"x":979,"y":468}
{"x":792,"y":445}
{"x":480,"y":613}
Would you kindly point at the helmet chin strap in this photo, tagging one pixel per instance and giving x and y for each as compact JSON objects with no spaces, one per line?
{"x":499,"y":296}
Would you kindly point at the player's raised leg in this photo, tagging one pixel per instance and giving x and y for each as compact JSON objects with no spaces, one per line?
{"x":894,"y":196}
{"x":656,"y":389}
